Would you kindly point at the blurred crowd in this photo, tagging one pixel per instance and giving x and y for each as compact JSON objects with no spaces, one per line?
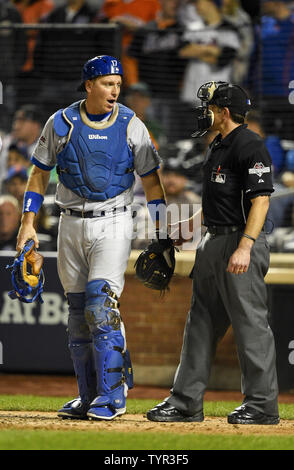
{"x":168,"y":48}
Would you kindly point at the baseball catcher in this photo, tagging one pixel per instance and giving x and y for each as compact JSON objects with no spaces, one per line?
{"x":156,"y":264}
{"x":96,"y":145}
{"x":28,"y":284}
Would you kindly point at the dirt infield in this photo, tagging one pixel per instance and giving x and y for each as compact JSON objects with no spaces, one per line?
{"x":44,"y":385}
{"x":58,"y":385}
{"x":135,"y":423}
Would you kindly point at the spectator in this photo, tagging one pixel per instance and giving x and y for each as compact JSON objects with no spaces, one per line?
{"x":233,"y":12}
{"x":282,"y":201}
{"x":9,"y":222}
{"x":45,"y":222}
{"x":60,"y":52}
{"x":15,"y":184}
{"x":211,"y":51}
{"x":180,"y":198}
{"x":175,"y":181}
{"x":13,"y":54}
{"x":253,"y":121}
{"x":277,"y":72}
{"x":273,"y":143}
{"x":25,"y":131}
{"x":188,"y":16}
{"x":138,"y":98}
{"x":26,"y":126}
{"x":32,"y":12}
{"x":155,"y":47}
{"x":130,"y":15}
{"x":18,"y":156}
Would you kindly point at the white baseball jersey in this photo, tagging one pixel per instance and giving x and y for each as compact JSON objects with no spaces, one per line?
{"x":95,"y":248}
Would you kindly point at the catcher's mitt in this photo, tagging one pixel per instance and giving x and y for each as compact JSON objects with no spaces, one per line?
{"x":28,"y":286}
{"x":156,"y":264}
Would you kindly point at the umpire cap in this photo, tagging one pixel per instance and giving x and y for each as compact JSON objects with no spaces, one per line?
{"x":232,"y":97}
{"x":99,"y":66}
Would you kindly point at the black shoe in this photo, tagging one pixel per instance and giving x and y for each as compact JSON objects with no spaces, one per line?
{"x":246,"y":415}
{"x":167,"y":413}
{"x":74,"y":409}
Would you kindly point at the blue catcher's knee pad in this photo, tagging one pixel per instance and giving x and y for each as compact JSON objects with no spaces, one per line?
{"x":101,"y":307}
{"x":81,"y":348}
{"x":113,"y":367}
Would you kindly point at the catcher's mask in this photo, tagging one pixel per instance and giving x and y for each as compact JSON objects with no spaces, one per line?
{"x":222,"y":94}
{"x":28,"y":286}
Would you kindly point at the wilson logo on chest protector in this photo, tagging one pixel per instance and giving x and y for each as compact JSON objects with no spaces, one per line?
{"x":97,"y":137}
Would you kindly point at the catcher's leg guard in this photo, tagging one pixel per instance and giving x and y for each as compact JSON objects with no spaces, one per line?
{"x":81,"y":349}
{"x":112,"y":361}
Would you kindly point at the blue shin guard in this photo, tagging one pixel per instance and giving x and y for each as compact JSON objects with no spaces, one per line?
{"x":83,"y":361}
{"x":111,"y":385}
{"x":81,"y":349}
{"x":112,"y":361}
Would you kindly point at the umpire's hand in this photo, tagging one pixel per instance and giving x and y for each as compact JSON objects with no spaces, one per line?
{"x":239,"y":261}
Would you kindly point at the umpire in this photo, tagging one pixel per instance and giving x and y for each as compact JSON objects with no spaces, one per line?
{"x":232,"y":260}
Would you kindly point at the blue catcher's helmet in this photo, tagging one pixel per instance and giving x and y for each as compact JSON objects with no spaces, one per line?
{"x":99,"y":66}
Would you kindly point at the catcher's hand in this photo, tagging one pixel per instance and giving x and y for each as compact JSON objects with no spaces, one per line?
{"x":156,"y":264}
{"x":28,"y":285}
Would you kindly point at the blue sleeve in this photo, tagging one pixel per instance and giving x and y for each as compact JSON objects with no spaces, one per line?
{"x":41,"y":165}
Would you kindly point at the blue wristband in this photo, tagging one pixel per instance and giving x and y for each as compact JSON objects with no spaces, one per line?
{"x":32,"y":202}
{"x":157,"y":209}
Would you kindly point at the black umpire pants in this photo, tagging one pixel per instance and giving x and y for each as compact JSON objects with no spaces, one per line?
{"x":220,"y":299}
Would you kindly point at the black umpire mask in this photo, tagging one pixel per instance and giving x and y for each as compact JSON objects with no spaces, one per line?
{"x":222,"y":94}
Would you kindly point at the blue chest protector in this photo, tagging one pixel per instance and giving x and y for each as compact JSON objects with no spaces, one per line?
{"x":95,"y":164}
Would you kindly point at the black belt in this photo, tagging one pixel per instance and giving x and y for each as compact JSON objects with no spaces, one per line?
{"x":224,"y":229}
{"x":93,"y":214}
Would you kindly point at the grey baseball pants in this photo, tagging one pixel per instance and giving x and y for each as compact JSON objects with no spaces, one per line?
{"x":220,"y":299}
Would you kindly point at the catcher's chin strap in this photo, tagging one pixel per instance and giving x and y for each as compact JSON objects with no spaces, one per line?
{"x":28,"y":287}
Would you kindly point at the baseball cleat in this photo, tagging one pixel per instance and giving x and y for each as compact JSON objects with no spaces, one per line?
{"x":246,"y":415}
{"x":74,"y":409}
{"x":105,"y":412}
{"x":164,"y":412}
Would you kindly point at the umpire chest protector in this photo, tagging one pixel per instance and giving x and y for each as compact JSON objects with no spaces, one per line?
{"x":96,"y":162}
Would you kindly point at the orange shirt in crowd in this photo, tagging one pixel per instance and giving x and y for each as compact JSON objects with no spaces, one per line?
{"x":32,"y":14}
{"x":138,"y":12}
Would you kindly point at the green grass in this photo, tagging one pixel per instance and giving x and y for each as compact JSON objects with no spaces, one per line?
{"x":134,"y":406}
{"x":92,"y":439}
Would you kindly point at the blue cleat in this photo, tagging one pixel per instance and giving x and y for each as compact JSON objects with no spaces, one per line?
{"x":109,"y":407}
